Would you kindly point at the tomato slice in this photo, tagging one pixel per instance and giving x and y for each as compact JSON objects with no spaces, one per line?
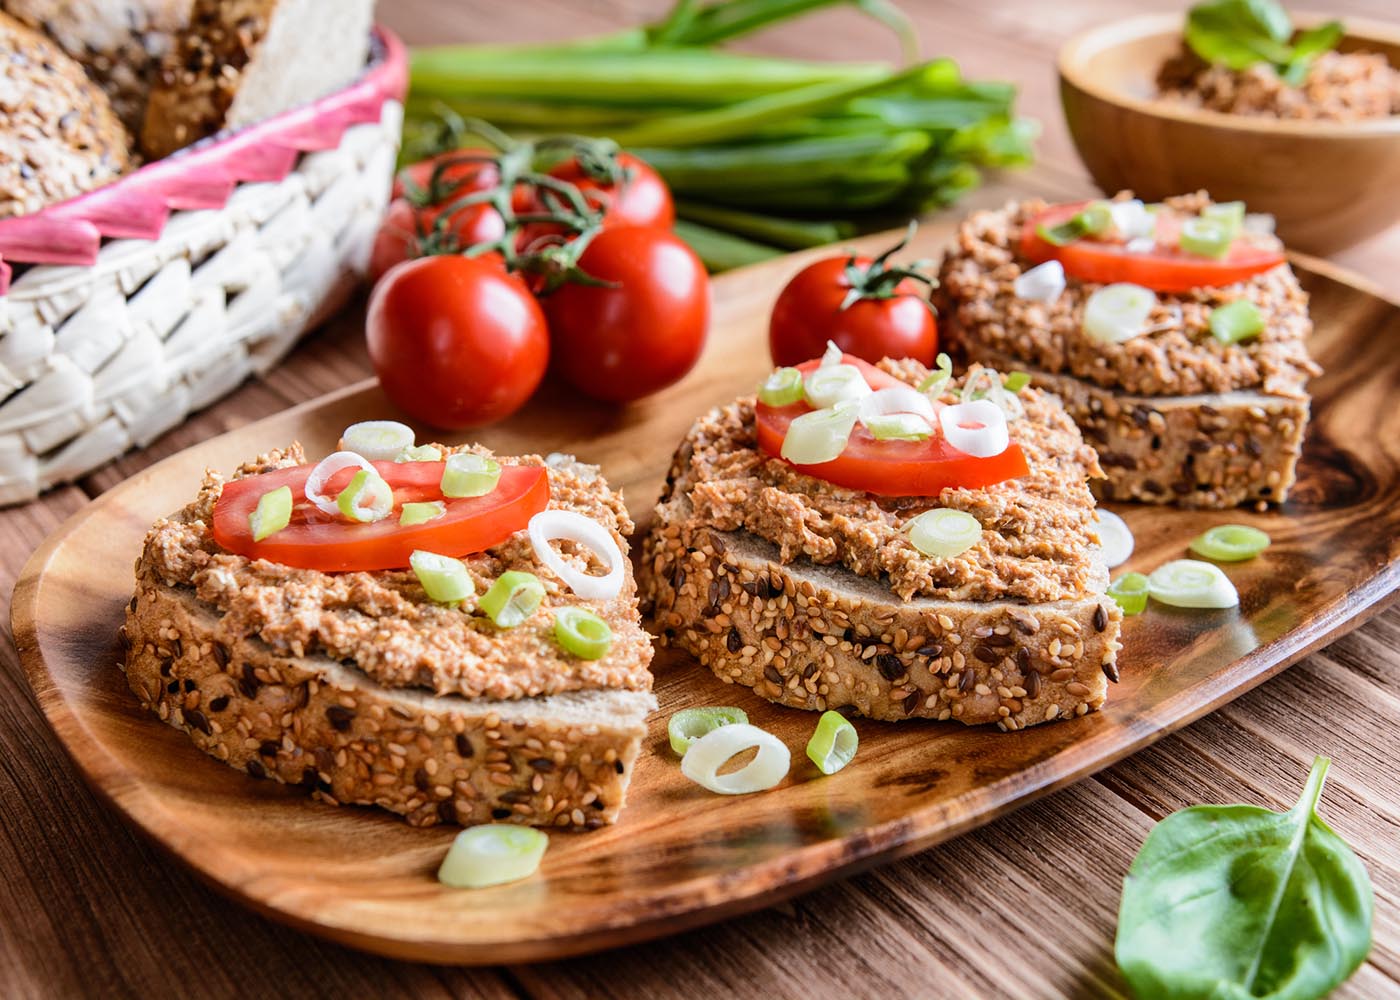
{"x":317,"y":540}
{"x":1164,"y":268}
{"x":889,"y":468}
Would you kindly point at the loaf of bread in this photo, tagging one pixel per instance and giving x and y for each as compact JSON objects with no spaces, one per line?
{"x":119,"y":42}
{"x":241,"y":61}
{"x":58,"y":134}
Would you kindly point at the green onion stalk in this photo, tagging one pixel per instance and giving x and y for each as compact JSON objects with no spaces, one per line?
{"x":763,"y":155}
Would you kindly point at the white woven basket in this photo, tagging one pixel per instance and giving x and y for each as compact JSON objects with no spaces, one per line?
{"x":100,"y":357}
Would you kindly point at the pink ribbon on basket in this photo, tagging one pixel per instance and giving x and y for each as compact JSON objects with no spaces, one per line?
{"x":203,"y":175}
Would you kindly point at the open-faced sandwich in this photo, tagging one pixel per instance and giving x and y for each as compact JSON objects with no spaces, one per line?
{"x":892,"y":540}
{"x":1174,"y":334}
{"x":449,"y":635}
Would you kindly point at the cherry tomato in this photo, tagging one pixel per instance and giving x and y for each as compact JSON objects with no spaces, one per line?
{"x":456,"y":342}
{"x":625,"y":342}
{"x":408,"y":232}
{"x":643,"y":199}
{"x":317,"y":540}
{"x":808,"y":313}
{"x":1164,"y":268}
{"x":461,"y":172}
{"x":889,"y":468}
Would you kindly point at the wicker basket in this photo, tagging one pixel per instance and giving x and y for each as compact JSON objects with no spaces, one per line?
{"x":126,"y":308}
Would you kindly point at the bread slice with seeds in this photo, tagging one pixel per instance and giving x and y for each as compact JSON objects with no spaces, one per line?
{"x":359,"y":687}
{"x":813,"y":595}
{"x":241,"y":61}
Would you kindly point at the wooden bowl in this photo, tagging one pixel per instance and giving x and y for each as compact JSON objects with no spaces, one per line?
{"x":1329,"y":184}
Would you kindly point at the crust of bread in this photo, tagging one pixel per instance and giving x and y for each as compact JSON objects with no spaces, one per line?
{"x":1211,"y":451}
{"x":561,"y":761}
{"x":819,"y":637}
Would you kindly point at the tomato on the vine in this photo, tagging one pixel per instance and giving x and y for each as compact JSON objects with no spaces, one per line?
{"x":456,"y":341}
{"x":813,"y":309}
{"x":462,"y":171}
{"x":641,"y":331}
{"x":407,"y":232}
{"x":641,"y":199}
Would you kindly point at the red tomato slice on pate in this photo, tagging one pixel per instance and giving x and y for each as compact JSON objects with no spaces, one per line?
{"x":330,"y":543}
{"x":1164,"y":268}
{"x":889,"y":468}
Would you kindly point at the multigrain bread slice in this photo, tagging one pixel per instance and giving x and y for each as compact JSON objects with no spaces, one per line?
{"x":119,"y":42}
{"x":818,"y":637}
{"x":1210,"y":450}
{"x":361,"y":687}
{"x":241,"y":61}
{"x":561,"y":760}
{"x":58,"y":134}
{"x":1176,"y":415}
{"x":814,"y":596}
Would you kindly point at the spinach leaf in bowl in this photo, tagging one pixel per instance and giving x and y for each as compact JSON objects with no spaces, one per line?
{"x":1238,"y":901}
{"x":1241,"y":33}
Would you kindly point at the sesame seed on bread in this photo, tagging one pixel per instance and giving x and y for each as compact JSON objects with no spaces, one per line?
{"x":58,"y":134}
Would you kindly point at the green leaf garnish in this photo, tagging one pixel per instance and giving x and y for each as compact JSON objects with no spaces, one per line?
{"x":1239,"y":34}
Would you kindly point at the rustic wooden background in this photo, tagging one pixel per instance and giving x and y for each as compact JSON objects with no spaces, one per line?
{"x":1023,"y":908}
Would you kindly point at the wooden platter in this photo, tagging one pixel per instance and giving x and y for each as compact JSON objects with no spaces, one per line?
{"x":680,"y":856}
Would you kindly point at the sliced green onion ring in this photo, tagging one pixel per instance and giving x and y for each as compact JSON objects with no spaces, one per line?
{"x":1115,"y":313}
{"x":934,"y":384}
{"x":834,"y":744}
{"x":944,"y":532}
{"x":412,"y":514}
{"x":582,"y":633}
{"x":368,"y":498}
{"x":1206,"y":237}
{"x":273,"y":513}
{"x":898,"y":427}
{"x":819,"y":436}
{"x":1016,"y":381}
{"x":1236,"y":321}
{"x":419,"y":453}
{"x":781,"y":388}
{"x":468,"y":474}
{"x":1230,"y":543}
{"x":1042,"y":283}
{"x":1190,"y":583}
{"x":1129,"y":591}
{"x":829,"y":385}
{"x":977,"y":428}
{"x":377,"y":440}
{"x":1061,"y":234}
{"x":832,"y":356}
{"x":1230,"y":214}
{"x":444,"y":579}
{"x":1095,"y":218}
{"x":514,"y":597}
{"x":1115,"y":538}
{"x":689,"y":724}
{"x":492,"y":855}
{"x":327,"y":468}
{"x":710,"y":752}
{"x":1133,"y":221}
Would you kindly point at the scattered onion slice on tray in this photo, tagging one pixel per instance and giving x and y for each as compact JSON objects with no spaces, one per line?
{"x":977,"y":428}
{"x":1115,"y":538}
{"x":568,"y":525}
{"x":377,"y":440}
{"x":709,"y":753}
{"x":324,"y":470}
{"x":689,"y":724}
{"x":492,"y":855}
{"x":1230,"y":543}
{"x":1129,"y":592}
{"x":834,"y":743}
{"x":1190,"y":583}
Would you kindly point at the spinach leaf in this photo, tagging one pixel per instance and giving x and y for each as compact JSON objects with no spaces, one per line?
{"x":1236,"y":901}
{"x":1240,"y":33}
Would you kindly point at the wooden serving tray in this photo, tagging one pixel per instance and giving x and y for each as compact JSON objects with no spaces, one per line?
{"x":681,"y":856}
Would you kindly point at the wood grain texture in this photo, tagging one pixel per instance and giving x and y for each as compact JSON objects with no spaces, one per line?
{"x":679,"y":856}
{"x":87,"y":909}
{"x":1129,"y":140}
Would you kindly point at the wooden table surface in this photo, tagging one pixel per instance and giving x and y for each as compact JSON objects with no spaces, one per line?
{"x":1025,"y":907}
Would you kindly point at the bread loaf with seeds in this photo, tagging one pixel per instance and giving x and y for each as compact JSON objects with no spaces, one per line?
{"x":58,"y":134}
{"x":119,"y":42}
{"x":241,"y":61}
